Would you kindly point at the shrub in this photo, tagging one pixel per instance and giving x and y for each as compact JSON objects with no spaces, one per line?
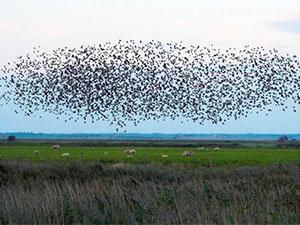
{"x":282,"y":138}
{"x":11,"y":138}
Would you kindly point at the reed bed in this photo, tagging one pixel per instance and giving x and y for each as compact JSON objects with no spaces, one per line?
{"x":97,"y":193}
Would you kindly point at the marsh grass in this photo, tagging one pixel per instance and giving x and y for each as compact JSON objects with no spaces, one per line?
{"x":96,"y":193}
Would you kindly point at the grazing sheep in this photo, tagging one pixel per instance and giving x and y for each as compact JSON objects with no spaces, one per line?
{"x":36,"y":152}
{"x":188,"y":153}
{"x":66,"y":154}
{"x":129,"y":156}
{"x":55,"y":147}
{"x":164,"y":156}
{"x":201,"y":148}
{"x":132,"y":151}
{"x":105,"y":153}
{"x":126,"y":151}
{"x":217,"y":149}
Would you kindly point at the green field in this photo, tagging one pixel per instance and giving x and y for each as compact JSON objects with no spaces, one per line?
{"x":230,"y":157}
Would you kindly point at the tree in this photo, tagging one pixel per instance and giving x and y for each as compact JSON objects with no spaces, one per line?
{"x":11,"y":138}
{"x":282,"y":138}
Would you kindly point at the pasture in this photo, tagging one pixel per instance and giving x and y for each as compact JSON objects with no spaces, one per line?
{"x":226,"y":157}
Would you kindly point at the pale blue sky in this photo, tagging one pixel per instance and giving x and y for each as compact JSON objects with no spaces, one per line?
{"x":224,"y":23}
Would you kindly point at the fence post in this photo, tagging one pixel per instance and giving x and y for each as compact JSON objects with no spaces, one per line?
{"x":144,"y":157}
{"x":210,"y":161}
{"x":81,"y":156}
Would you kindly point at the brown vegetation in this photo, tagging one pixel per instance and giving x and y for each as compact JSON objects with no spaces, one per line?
{"x":65,"y":193}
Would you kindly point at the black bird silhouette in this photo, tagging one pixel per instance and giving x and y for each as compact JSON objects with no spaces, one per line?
{"x":135,"y":81}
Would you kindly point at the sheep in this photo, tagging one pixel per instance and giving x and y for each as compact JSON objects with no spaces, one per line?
{"x":129,"y":156}
{"x":132,"y":151}
{"x":201,"y":148}
{"x":188,"y":153}
{"x":66,"y":154}
{"x":36,"y":152}
{"x":55,"y":147}
{"x":217,"y":149}
{"x":126,"y":151}
{"x":164,"y":156}
{"x":105,"y":153}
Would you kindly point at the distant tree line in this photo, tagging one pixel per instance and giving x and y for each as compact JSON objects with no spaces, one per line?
{"x":127,"y":143}
{"x":284,"y":142}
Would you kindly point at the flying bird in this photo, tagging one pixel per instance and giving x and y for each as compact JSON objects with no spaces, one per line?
{"x":135,"y":81}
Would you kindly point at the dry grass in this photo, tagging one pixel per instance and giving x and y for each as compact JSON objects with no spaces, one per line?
{"x":92,"y":193}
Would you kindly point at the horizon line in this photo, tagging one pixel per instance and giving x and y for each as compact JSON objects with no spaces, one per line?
{"x":123,"y":133}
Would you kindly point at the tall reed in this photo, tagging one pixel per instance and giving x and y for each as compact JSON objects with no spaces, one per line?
{"x":93,"y":193}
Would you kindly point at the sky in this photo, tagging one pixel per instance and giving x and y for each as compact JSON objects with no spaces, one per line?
{"x":224,"y":23}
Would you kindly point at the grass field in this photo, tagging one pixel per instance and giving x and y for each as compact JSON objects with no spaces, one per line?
{"x":225,"y":157}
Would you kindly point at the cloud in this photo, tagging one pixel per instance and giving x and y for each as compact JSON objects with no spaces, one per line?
{"x":292,"y":26}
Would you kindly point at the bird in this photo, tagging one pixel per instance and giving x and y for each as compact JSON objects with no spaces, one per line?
{"x":133,"y":81}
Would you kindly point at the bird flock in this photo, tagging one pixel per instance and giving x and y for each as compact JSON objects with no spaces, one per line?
{"x":133,"y":81}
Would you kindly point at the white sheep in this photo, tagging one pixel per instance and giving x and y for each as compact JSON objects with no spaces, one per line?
{"x":126,"y":151}
{"x":164,"y":156}
{"x":55,"y":147}
{"x":67,"y":154}
{"x":217,"y":149}
{"x":188,"y":153}
{"x":36,"y":152}
{"x":132,"y":151}
{"x":105,"y":153}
